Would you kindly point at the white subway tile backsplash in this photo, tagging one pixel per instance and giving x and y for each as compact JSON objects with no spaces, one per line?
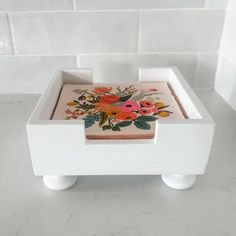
{"x":32,"y":5}
{"x":29,"y":74}
{"x":228,"y":45}
{"x":124,"y":68}
{"x":232,"y":5}
{"x":5,"y":41}
{"x":216,"y":4}
{"x":221,"y":75}
{"x":113,"y":37}
{"x":75,"y":32}
{"x":206,"y":70}
{"x":137,"y":4}
{"x":181,"y":30}
{"x":225,"y":83}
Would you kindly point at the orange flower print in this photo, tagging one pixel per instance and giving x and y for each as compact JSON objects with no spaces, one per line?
{"x":126,"y":116}
{"x":113,"y":111}
{"x":109,"y":99}
{"x":102,"y":90}
{"x":146,"y":104}
{"x":102,"y":106}
{"x":108,"y":108}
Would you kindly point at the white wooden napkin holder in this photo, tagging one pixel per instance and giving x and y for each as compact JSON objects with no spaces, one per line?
{"x":179,"y":151}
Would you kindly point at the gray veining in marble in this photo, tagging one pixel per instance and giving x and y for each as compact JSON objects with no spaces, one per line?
{"x":118,"y":205}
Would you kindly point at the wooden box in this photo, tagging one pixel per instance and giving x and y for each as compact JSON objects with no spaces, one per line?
{"x":178,"y":151}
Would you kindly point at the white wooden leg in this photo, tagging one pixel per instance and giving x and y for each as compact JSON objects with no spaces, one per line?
{"x":56,"y":182}
{"x":179,"y":181}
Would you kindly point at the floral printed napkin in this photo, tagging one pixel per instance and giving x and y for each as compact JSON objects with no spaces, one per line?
{"x":118,"y":111}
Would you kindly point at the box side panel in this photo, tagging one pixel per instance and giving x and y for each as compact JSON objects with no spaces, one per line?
{"x":75,"y":76}
{"x":161,"y":74}
{"x":46,"y":105}
{"x":188,"y":98}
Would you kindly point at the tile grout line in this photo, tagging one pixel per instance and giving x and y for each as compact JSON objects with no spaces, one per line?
{"x":12,"y":35}
{"x":205,"y":5}
{"x":113,"y":54}
{"x":221,"y":41}
{"x":37,"y":55}
{"x":196,"y":71}
{"x":74,"y":5}
{"x":217,"y":68}
{"x":113,"y":10}
{"x":139,"y":33}
{"x":172,"y":52}
{"x":223,"y":31}
{"x":78,"y":60}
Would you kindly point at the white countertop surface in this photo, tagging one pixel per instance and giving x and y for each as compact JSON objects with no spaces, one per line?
{"x":117,"y":205}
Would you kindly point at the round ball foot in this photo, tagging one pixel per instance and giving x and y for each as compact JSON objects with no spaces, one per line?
{"x":179,"y":181}
{"x":55,"y":182}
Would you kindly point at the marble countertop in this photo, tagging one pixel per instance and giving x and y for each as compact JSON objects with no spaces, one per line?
{"x":118,"y":205}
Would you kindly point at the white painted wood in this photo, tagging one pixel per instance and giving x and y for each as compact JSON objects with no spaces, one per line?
{"x":59,"y":182}
{"x":179,"y":181}
{"x":59,"y":147}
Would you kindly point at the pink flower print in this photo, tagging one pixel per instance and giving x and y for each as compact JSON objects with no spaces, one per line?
{"x":144,"y":111}
{"x":146,"y":104}
{"x":130,"y":106}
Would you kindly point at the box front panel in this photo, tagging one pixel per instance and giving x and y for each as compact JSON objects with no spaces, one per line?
{"x":62,"y":150}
